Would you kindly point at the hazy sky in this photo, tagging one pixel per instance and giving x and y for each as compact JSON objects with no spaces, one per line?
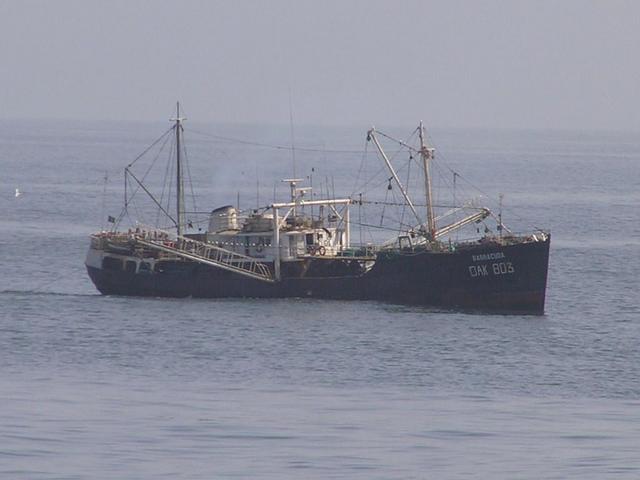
{"x":550,"y":64}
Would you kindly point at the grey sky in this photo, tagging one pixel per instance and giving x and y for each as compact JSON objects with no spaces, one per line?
{"x":550,"y":64}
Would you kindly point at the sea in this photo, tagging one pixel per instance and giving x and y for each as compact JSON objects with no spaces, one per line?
{"x":106,"y":387}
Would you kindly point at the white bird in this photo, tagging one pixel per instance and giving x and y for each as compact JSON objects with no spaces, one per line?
{"x":18,"y":192}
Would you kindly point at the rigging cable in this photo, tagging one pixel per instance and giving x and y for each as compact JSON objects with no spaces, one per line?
{"x":384,"y":205}
{"x":186,"y":162}
{"x":273,"y":146}
{"x":171,"y":172}
{"x":478,"y":189}
{"x":385,"y":180}
{"x":127,"y":171}
{"x":384,"y":167}
{"x":104,"y":199}
{"x":165,"y":181}
{"x":151,"y":146}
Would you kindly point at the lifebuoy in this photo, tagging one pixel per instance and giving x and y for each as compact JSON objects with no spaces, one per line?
{"x":322,"y":250}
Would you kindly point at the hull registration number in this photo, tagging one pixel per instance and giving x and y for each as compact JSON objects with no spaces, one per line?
{"x":498,"y":268}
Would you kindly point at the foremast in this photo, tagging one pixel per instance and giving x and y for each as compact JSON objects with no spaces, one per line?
{"x":427,"y":154}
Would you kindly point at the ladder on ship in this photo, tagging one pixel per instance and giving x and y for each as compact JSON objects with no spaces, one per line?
{"x":211,"y":255}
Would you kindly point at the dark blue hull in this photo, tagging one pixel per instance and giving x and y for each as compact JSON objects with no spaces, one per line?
{"x":491,"y":277}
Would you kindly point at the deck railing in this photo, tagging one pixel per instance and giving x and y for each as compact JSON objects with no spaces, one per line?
{"x":190,"y":249}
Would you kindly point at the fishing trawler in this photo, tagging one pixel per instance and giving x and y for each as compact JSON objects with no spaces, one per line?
{"x":303,"y":247}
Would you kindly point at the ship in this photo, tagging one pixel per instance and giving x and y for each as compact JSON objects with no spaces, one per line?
{"x":303,"y":247}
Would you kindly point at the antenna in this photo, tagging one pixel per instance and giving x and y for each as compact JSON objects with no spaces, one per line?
{"x":293,"y":148}
{"x":455,"y":176}
{"x":104,"y":197}
{"x":257,"y":188}
{"x":311,"y":187}
{"x":500,"y":228}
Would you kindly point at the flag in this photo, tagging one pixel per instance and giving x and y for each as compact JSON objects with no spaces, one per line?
{"x":111,"y":219}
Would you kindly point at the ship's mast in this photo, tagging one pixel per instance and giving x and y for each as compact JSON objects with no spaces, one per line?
{"x":427,"y":154}
{"x":179,"y":178}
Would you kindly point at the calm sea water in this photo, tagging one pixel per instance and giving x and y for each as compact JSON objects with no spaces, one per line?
{"x":112,"y":387}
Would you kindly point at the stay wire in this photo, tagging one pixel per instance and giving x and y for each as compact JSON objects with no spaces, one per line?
{"x":186,"y":162}
{"x":382,"y":168}
{"x":171,"y":171}
{"x":491,"y":198}
{"x":166,"y":180}
{"x":273,"y":146}
{"x":363,"y":161}
{"x":144,"y":177}
{"x":387,"y":180}
{"x":151,"y":146}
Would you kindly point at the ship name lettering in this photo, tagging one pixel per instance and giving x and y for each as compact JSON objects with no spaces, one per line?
{"x":488,"y":256}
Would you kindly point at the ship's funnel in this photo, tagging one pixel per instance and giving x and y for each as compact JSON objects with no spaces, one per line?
{"x":222,"y":219}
